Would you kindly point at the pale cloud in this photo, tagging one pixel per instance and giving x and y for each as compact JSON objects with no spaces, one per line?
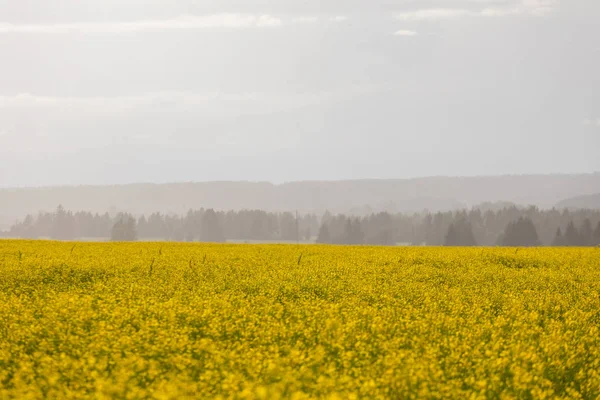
{"x":431,"y":14}
{"x":209,"y":103}
{"x":403,"y":32}
{"x":311,"y":19}
{"x":212,"y":103}
{"x":592,"y":122}
{"x":184,"y":22}
{"x":339,"y":18}
{"x":523,"y":7}
{"x":539,"y":7}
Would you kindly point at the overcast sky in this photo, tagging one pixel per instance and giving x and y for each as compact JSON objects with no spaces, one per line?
{"x":116,"y":91}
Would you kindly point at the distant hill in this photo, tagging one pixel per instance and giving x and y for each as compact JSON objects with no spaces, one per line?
{"x":398,"y":195}
{"x":412,"y":205}
{"x":590,"y":201}
{"x":496,"y":206}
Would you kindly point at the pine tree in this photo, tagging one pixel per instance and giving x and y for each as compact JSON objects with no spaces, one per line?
{"x":63,"y":227}
{"x":324,"y":236}
{"x":451,"y":237}
{"x":130,"y":230}
{"x":586,"y":233}
{"x":212,"y":231}
{"x":558,"y":239}
{"x":142,"y":227}
{"x":353,"y":233}
{"x":460,"y":233}
{"x":116,"y":233}
{"x":521,"y":232}
{"x":124,"y":230}
{"x":465,"y":231}
{"x":571,"y":235}
{"x":596,"y":236}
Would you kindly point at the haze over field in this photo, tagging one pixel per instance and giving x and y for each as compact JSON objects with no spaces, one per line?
{"x":107,"y":92}
{"x":299,"y":198}
{"x":358,"y":197}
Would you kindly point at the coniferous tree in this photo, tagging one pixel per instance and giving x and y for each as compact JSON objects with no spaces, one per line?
{"x":324,"y":236}
{"x":212,"y":231}
{"x":130,"y":229}
{"x":188,"y":226}
{"x":142,"y":227}
{"x":337,"y":229}
{"x":451,"y":237}
{"x":379,"y":229}
{"x":358,"y":236}
{"x":28,"y":227}
{"x":382,"y":228}
{"x":571,"y":235}
{"x":124,"y":230}
{"x":287,"y":226}
{"x":116,"y":233}
{"x":385,"y":237}
{"x":521,"y":232}
{"x":465,"y":230}
{"x":348,"y":232}
{"x":586,"y":233}
{"x":596,"y":236}
{"x":63,"y":227}
{"x":353,"y":233}
{"x":460,"y":233}
{"x":558,"y":239}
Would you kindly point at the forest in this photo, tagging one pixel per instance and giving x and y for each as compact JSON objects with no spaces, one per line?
{"x":508,"y":226}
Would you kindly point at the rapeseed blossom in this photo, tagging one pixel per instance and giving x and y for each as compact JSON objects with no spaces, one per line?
{"x":172,"y":321}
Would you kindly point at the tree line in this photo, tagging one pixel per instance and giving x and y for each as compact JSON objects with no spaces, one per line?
{"x":206,"y":225}
{"x":509,"y":226}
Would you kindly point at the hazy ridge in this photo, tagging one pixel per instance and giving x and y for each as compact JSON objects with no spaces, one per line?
{"x":591,"y":201}
{"x":351,"y":196}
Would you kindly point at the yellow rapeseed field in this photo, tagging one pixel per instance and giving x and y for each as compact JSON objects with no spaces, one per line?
{"x":174,"y":321}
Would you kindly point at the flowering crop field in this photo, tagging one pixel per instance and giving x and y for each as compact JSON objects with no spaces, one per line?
{"x":160,"y":320}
